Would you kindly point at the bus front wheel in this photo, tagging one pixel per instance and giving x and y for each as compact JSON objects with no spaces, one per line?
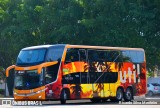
{"x":64,"y":96}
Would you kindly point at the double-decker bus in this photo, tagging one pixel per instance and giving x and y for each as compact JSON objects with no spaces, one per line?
{"x":63,"y":72}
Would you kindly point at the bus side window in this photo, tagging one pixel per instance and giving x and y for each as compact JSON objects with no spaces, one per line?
{"x":137,"y":56}
{"x":93,"y":56}
{"x":72,"y":55}
{"x":51,"y":73}
{"x":82,"y":55}
{"x":101,"y":55}
{"x":126,"y":56}
{"x":133,"y":56}
{"x":140,"y":55}
{"x":113,"y":56}
{"x":55,"y":54}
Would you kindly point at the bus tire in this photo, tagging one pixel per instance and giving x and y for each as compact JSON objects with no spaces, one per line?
{"x":119,"y":94}
{"x":128,"y":95}
{"x":64,"y":96}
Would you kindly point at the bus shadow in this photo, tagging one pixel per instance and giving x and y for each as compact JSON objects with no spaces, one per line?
{"x":79,"y":102}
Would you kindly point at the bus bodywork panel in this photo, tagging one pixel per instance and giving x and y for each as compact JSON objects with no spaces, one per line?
{"x":32,"y":94}
{"x":104,"y":79}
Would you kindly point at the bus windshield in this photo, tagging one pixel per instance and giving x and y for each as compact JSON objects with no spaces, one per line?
{"x":28,"y":79}
{"x":31,"y":57}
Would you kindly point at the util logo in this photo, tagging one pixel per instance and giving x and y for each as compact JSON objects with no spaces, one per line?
{"x":133,"y":73}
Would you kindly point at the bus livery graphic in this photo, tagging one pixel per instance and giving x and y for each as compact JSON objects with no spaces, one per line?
{"x":61,"y":72}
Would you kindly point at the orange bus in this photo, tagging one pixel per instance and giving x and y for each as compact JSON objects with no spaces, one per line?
{"x":63,"y":72}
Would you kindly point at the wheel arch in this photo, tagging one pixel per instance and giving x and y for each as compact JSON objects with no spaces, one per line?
{"x":132,"y":89}
{"x":67,"y":91}
{"x":120,"y":87}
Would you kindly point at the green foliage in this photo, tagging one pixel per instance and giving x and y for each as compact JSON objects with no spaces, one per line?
{"x":149,"y":74}
{"x":1,"y":91}
{"x":125,"y":23}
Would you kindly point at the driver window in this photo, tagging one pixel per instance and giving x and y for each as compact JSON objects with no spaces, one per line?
{"x":51,"y":73}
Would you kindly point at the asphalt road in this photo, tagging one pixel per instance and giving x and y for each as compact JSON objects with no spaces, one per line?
{"x":151,"y":102}
{"x":77,"y":102}
{"x":136,"y":101}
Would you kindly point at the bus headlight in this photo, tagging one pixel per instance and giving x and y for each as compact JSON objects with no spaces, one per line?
{"x":38,"y":91}
{"x":39,"y":97}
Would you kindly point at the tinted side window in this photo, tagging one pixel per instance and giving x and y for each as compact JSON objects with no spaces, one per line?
{"x":101,"y":55}
{"x":51,"y":73}
{"x":126,"y":56}
{"x":82,"y":55}
{"x":72,"y":55}
{"x":93,"y":55}
{"x":55,"y":53}
{"x":133,"y":56}
{"x":113,"y":56}
{"x":140,"y":55}
{"x":104,"y":56}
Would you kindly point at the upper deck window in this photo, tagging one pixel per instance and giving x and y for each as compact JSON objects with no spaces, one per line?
{"x":133,"y":56}
{"x":55,"y":53}
{"x":31,"y":57}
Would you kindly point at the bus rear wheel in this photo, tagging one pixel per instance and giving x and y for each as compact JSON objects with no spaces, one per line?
{"x":119,"y":94}
{"x":128,"y":96}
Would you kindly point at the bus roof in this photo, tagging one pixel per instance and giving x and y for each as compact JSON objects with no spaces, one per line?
{"x":103,"y":47}
{"x":42,"y":46}
{"x":82,"y":46}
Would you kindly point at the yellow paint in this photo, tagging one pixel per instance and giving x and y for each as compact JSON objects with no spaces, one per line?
{"x":73,"y":67}
{"x":106,"y":90}
{"x":87,"y":90}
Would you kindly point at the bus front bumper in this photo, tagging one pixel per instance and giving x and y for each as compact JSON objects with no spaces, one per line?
{"x":29,"y":95}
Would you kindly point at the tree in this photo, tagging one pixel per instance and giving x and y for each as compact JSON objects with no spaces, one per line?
{"x":92,"y":22}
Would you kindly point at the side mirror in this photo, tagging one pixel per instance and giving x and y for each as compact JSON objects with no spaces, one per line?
{"x":8,"y":69}
{"x":46,"y":65}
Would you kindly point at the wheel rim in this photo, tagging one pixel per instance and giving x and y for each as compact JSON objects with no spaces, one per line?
{"x":64,"y":95}
{"x":128,"y":94}
{"x":119,"y":94}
